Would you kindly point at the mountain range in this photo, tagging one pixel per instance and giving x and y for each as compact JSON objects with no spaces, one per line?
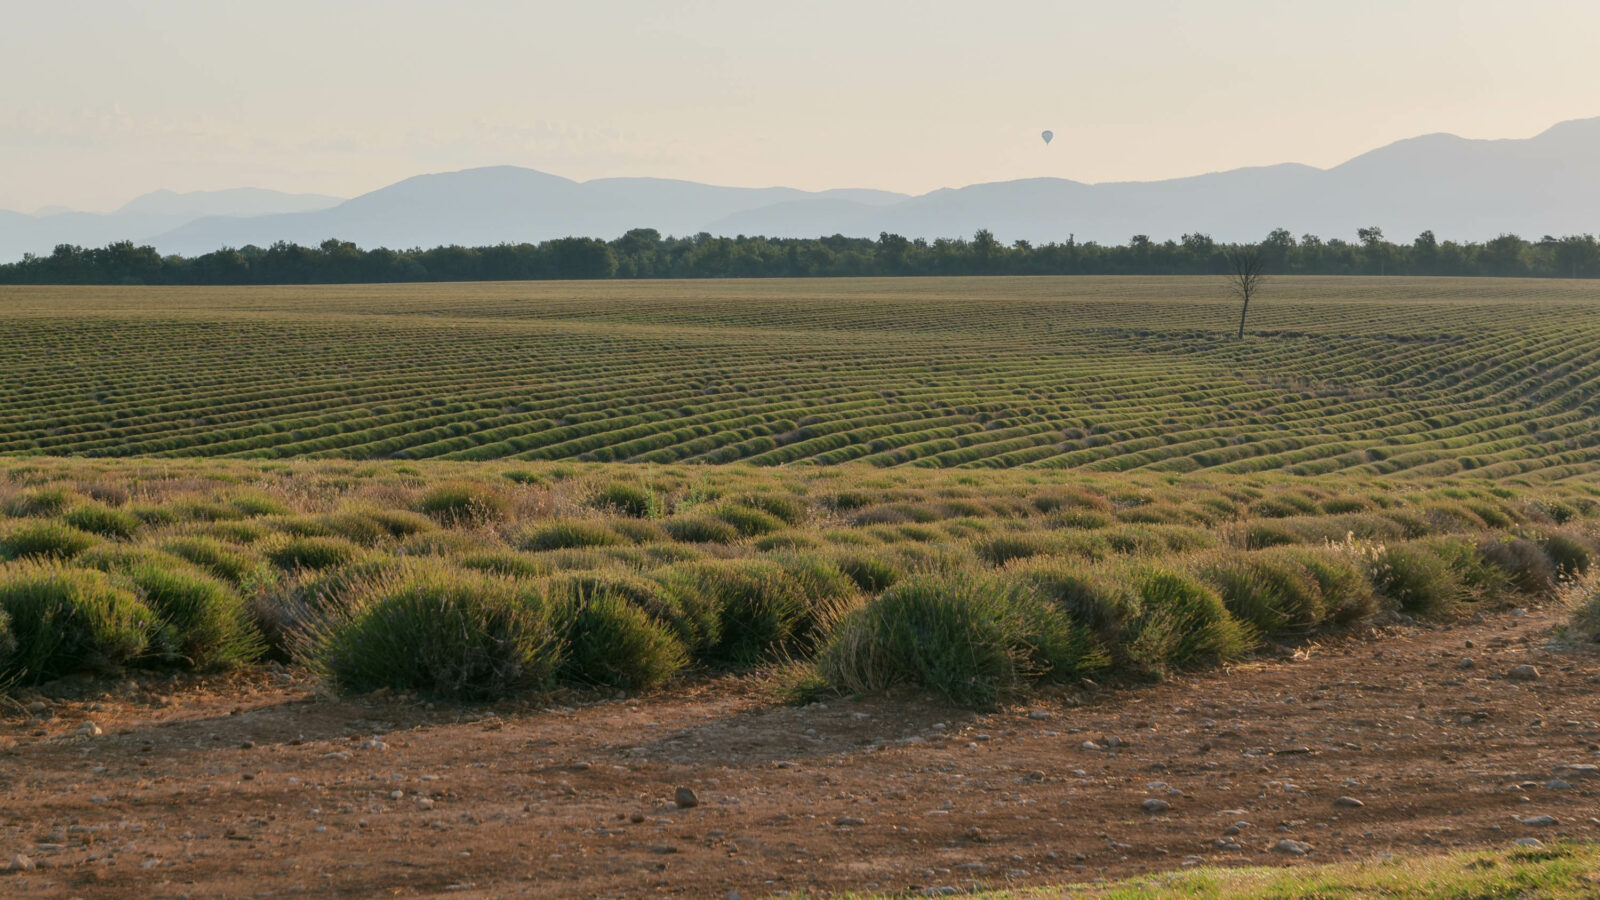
{"x":1462,"y":189}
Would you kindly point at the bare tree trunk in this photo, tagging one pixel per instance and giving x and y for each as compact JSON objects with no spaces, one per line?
{"x":1242,"y":313}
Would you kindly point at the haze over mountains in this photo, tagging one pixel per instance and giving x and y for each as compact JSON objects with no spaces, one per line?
{"x":1461,"y":189}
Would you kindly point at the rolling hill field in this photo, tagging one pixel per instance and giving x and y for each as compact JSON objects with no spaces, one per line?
{"x":1418,"y":377}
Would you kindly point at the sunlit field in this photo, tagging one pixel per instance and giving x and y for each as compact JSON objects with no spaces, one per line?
{"x":1404,"y":377}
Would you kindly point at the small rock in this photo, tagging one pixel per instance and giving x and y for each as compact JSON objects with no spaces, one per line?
{"x":36,"y":707}
{"x":89,"y":729}
{"x":1528,"y":842}
{"x":685,"y":798}
{"x":372,"y":744}
{"x":1231,"y":831}
{"x":1583,"y":770}
{"x":1293,"y":848}
{"x":247,"y":745}
{"x":849,"y":822}
{"x":1523,"y":673}
{"x":1154,"y":806}
{"x":636,"y":818}
{"x":1348,"y":803}
{"x":1466,"y":663}
{"x":1541,"y":821}
{"x":1039,"y":715}
{"x":20,"y":863}
{"x":1556,"y":784}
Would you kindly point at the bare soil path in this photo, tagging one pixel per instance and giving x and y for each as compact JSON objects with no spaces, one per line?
{"x":258,"y":787}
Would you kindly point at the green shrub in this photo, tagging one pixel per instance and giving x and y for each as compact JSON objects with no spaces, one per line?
{"x":1260,"y":535}
{"x":1525,"y":564}
{"x":1179,"y":623}
{"x":1347,"y":594}
{"x":64,"y":620}
{"x":638,"y":531}
{"x":312,"y":553}
{"x":1418,"y":580}
{"x":8,"y":641}
{"x":252,"y":505}
{"x":1273,"y":593}
{"x":463,"y":503}
{"x":442,"y":633}
{"x":236,"y":532}
{"x":1584,"y":601}
{"x":756,"y":607}
{"x":48,"y":540}
{"x":829,"y":595}
{"x":749,"y":522}
{"x":202,"y":622}
{"x":1003,"y":548}
{"x":355,"y":526}
{"x":1572,"y":555}
{"x":974,"y":639}
{"x":1148,"y":620}
{"x":220,"y":559}
{"x":629,"y":500}
{"x":790,"y":510}
{"x":612,"y":642}
{"x":506,"y":562}
{"x":49,"y":501}
{"x":567,"y":534}
{"x":870,"y":573}
{"x":699,"y":529}
{"x":103,"y":520}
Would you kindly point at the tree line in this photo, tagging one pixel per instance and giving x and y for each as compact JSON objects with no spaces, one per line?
{"x":645,"y":253}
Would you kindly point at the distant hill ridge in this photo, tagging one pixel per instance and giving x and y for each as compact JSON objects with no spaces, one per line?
{"x":1462,"y":189}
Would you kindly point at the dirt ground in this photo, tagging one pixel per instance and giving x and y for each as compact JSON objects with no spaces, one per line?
{"x":256,"y":786}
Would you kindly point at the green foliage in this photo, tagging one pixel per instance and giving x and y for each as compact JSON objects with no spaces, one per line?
{"x":973,"y":639}
{"x":1347,"y":594}
{"x":1417,"y":579}
{"x":699,"y":529}
{"x":872,"y":574}
{"x":65,"y":620}
{"x":201,"y":622}
{"x":756,"y":606}
{"x":1275,"y":593}
{"x":1571,"y":553}
{"x":629,"y":500}
{"x":222,"y":560}
{"x":312,"y":553}
{"x":613,"y":642}
{"x":46,"y":540}
{"x":442,"y":633}
{"x":567,"y":534}
{"x":103,"y":520}
{"x":48,"y":501}
{"x":463,"y":502}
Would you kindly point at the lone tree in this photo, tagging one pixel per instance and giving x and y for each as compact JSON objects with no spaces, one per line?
{"x":1246,"y":268}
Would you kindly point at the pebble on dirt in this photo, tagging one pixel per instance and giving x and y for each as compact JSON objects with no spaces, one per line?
{"x":1348,"y":803}
{"x":686,"y":798}
{"x":1293,"y":848}
{"x":1523,"y":673}
{"x":1154,"y":806}
{"x":1541,"y":821}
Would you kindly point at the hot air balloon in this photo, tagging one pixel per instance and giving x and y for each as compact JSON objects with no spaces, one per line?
{"x":1047,"y":136}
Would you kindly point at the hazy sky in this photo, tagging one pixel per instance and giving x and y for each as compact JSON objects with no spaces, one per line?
{"x":106,"y":100}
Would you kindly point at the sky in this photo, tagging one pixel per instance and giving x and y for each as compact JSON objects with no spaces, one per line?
{"x":108,"y":100}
